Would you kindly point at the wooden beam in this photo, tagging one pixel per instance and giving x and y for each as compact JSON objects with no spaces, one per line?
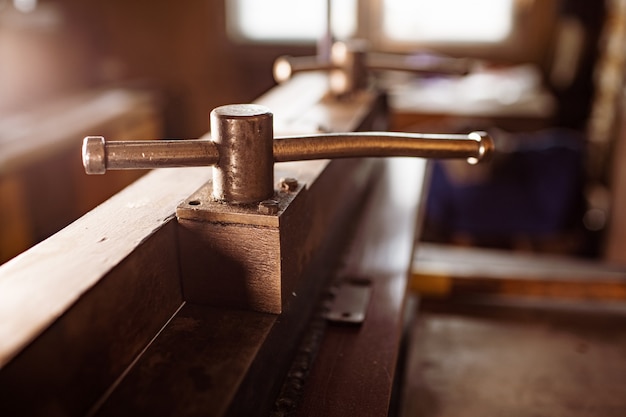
{"x":354,"y":371}
{"x":449,"y":271}
{"x":93,"y":297}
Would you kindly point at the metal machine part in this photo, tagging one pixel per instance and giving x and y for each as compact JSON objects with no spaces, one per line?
{"x":350,"y":63}
{"x":243,"y":137}
{"x":349,"y":301}
{"x":242,"y":151}
{"x":240,"y":214}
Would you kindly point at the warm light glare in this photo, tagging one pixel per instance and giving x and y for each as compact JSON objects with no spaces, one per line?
{"x":425,"y":21}
{"x":339,"y":53}
{"x":302,"y":20}
{"x":338,"y":82}
{"x":282,"y":70}
{"x":25,"y":6}
{"x":447,"y":20}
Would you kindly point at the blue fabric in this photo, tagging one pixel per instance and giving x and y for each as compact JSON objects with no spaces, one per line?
{"x":535,"y":190}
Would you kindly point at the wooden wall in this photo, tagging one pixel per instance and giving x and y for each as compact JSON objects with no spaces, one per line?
{"x":180,"y":48}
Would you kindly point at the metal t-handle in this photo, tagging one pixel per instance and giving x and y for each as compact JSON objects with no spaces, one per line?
{"x":242,"y":151}
{"x":350,"y":62}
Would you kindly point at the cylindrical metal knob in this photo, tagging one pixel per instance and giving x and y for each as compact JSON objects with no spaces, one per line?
{"x":243,"y":135}
{"x":243,"y":150}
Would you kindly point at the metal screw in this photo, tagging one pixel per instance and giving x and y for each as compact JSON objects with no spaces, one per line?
{"x":268,"y":207}
{"x":288,"y":184}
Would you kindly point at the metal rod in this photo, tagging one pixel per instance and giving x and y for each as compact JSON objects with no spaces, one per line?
{"x":419,"y":64}
{"x":99,"y":155}
{"x":475,"y":146}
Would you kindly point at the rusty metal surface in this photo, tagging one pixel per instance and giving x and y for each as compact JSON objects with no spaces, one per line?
{"x":201,"y":206}
{"x":475,"y":146}
{"x":100,"y":155}
{"x":243,"y":135}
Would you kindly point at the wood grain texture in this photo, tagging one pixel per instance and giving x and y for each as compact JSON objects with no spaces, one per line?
{"x":57,"y":126}
{"x":83,"y":352}
{"x":40,"y":154}
{"x":95,"y":281}
{"x":231,"y":265}
{"x":37,"y":287}
{"x":223,"y":361}
{"x":354,"y":371}
{"x":14,"y":223}
{"x":195,"y":366}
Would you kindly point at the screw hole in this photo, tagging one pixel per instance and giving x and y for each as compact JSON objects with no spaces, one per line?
{"x":194,"y":203}
{"x":346,"y":314}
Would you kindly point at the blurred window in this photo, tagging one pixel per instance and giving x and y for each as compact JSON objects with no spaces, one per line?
{"x":402,"y":21}
{"x":455,"y":21}
{"x":285,"y":21}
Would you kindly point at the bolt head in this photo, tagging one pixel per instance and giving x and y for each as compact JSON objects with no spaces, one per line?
{"x":268,"y":207}
{"x":288,"y":184}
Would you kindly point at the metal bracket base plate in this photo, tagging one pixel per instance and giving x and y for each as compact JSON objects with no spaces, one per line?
{"x":350,"y":300}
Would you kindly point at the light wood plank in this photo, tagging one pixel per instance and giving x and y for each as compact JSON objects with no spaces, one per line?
{"x":38,"y":286}
{"x":441,"y":270}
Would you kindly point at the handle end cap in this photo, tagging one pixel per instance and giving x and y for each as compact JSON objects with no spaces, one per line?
{"x":94,"y":155}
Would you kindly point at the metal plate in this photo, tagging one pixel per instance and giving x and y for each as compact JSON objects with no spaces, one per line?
{"x":350,"y":300}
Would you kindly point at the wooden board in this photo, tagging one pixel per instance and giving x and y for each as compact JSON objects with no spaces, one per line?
{"x":79,"y":307}
{"x":448,"y":271}
{"x":501,"y":358}
{"x":93,"y":298}
{"x":354,"y":371}
{"x":43,"y":187}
